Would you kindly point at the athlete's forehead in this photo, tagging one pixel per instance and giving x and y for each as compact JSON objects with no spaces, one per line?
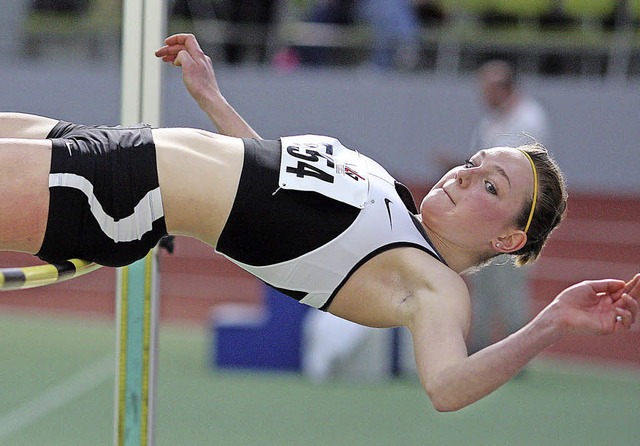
{"x":482,"y":154}
{"x":500,"y":155}
{"x":496,"y":150}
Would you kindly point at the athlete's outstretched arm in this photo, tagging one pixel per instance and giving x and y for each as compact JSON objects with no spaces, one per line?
{"x":25,"y":126}
{"x":183,"y":50}
{"x":453,"y":380}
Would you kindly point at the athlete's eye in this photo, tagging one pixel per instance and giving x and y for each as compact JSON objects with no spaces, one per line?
{"x":490,"y":188}
{"x":468,"y":164}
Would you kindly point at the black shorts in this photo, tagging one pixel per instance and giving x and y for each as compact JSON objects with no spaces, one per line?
{"x":105,"y":204}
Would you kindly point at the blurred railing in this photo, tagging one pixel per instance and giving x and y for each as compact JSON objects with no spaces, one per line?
{"x":92,"y":25}
{"x":557,"y":37}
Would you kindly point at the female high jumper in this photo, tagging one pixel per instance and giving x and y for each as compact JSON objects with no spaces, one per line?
{"x":324,"y":224}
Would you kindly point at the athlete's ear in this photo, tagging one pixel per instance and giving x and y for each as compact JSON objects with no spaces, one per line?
{"x":510,"y":243}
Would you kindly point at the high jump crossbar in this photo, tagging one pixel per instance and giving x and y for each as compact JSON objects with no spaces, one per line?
{"x":39,"y":275}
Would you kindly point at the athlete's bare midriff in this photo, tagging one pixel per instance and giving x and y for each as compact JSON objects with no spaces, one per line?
{"x":198,"y":172}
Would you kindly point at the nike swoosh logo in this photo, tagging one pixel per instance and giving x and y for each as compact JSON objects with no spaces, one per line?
{"x":387,"y":203}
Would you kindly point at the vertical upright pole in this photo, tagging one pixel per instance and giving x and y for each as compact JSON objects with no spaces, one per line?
{"x":137,"y":314}
{"x":137,"y":297}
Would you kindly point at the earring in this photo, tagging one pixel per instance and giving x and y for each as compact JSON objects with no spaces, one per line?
{"x":498,"y":245}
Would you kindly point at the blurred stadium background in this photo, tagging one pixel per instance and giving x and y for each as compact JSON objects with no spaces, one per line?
{"x":581,"y":59}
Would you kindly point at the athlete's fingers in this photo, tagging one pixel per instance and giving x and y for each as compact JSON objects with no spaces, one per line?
{"x":624,"y":318}
{"x":608,"y":286}
{"x":633,"y":287}
{"x":177,"y":43}
{"x":168,"y":58}
{"x":626,"y":311}
{"x":191,"y":44}
{"x":181,"y":41}
{"x":163,"y":52}
{"x":173,"y":45}
{"x":176,"y":39}
{"x":183,"y":59}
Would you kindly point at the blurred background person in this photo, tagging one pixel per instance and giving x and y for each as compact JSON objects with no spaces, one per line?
{"x":396,"y":32}
{"x":394,"y":26}
{"x":512,"y":116}
{"x":338,"y":12}
{"x":500,"y":292}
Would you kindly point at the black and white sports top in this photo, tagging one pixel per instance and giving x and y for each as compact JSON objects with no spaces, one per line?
{"x":309,"y":212}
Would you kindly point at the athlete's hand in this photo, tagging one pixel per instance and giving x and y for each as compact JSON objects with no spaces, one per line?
{"x":596,"y":306}
{"x":183,"y":50}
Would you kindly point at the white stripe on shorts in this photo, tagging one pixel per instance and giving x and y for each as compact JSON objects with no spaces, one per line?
{"x":127,"y":229}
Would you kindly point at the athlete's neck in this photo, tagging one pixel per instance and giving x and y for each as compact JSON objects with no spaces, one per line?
{"x":456,"y":257}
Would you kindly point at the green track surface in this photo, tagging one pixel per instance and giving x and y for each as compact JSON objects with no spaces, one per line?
{"x":551,"y":405}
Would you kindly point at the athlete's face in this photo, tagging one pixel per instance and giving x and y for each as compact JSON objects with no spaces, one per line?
{"x":477,"y":202}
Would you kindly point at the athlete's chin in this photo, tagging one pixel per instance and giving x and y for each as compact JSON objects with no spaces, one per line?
{"x":432,"y":210}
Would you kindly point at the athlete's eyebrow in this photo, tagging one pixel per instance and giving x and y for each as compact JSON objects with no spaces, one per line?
{"x":482,"y":153}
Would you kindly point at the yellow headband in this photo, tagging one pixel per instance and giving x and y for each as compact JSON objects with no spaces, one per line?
{"x":535,"y":190}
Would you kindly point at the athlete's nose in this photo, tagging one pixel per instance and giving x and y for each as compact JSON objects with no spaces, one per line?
{"x":463,"y":177}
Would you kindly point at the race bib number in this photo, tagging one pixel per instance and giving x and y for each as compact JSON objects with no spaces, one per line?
{"x":322,"y":164}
